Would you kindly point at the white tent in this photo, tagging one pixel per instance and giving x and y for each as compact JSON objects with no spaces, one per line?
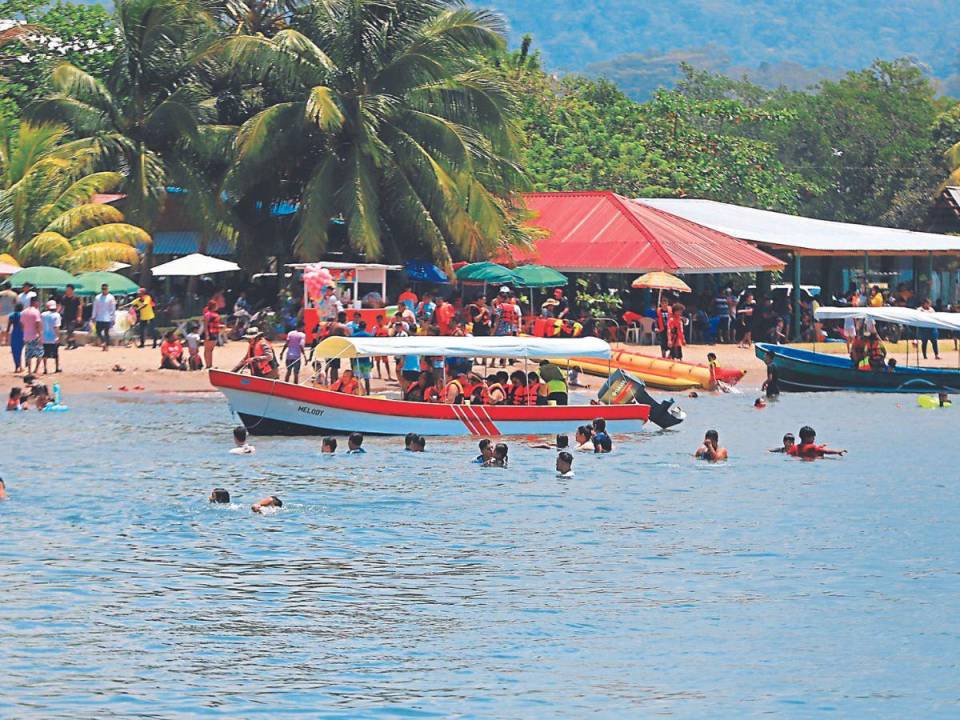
{"x":896,"y":315}
{"x":194,"y":265}
{"x":806,"y":236}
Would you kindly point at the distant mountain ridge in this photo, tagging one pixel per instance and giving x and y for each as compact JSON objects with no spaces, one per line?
{"x":635,"y":42}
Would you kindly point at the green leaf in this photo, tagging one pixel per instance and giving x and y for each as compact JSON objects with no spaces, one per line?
{"x":84,"y":217}
{"x":99,"y":256}
{"x":115,"y":233}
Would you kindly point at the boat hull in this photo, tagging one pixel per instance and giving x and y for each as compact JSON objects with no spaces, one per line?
{"x":806,"y":371}
{"x":272,"y":407}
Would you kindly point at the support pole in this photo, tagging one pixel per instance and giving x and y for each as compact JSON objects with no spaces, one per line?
{"x":930,"y":275}
{"x":796,"y":296}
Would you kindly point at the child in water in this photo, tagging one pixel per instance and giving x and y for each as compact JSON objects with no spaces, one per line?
{"x":355,"y":444}
{"x":499,"y":458}
{"x":268,"y":502}
{"x":808,"y":448}
{"x":789,"y":443}
{"x":220,"y":496}
{"x":13,"y":402}
{"x":564,"y":465}
{"x":240,"y":441}
{"x":601,"y":441}
{"x":329,"y":445}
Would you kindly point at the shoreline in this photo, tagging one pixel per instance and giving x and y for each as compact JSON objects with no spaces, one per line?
{"x":88,"y":369}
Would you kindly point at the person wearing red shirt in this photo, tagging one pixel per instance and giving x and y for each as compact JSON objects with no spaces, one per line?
{"x":443,"y":316}
{"x":171,"y":353}
{"x":675,"y":338}
{"x":808,"y":449}
{"x":211,"y":332}
{"x":409,"y":298}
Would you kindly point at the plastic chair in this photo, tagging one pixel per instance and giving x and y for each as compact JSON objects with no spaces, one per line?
{"x":638,"y":331}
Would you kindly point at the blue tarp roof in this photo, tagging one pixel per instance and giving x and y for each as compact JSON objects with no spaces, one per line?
{"x":184,"y":242}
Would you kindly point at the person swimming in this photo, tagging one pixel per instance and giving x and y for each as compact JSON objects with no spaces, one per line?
{"x":3,"y":490}
{"x":944,"y":399}
{"x":583,"y":438}
{"x":789,"y":443}
{"x":417,"y":443}
{"x":564,"y":464}
{"x":499,"y":458}
{"x":408,"y":441}
{"x":759,"y":403}
{"x":355,"y":444}
{"x":240,"y":441}
{"x":13,"y":401}
{"x":808,"y":448}
{"x":711,"y":450}
{"x":328,"y":445}
{"x":220,"y":496}
{"x":486,"y":452}
{"x":562,"y":443}
{"x":268,"y":502}
{"x":601,"y":441}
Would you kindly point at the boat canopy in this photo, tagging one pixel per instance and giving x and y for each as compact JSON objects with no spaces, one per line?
{"x":434,"y":346}
{"x":897,"y":315}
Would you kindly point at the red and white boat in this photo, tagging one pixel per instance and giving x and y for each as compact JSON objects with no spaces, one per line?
{"x":273,"y":407}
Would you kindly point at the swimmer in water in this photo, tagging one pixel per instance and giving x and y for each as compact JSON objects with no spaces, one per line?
{"x":499,"y":458}
{"x":3,"y":490}
{"x":808,"y":448}
{"x":562,"y":443}
{"x":564,"y":464}
{"x":329,"y":445}
{"x":220,"y":496}
{"x":759,"y":403}
{"x":942,"y":398}
{"x":355,"y":444}
{"x":601,"y":441}
{"x":408,"y":441}
{"x":240,"y":441}
{"x":789,"y":443}
{"x":268,"y":502}
{"x":13,"y":402}
{"x":711,"y":450}
{"x":486,"y":452}
{"x":419,"y":444}
{"x":583,"y":438}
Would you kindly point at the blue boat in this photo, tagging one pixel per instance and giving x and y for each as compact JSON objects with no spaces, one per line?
{"x":806,"y":371}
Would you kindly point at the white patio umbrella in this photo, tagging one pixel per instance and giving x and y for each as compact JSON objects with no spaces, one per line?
{"x":194,"y":265}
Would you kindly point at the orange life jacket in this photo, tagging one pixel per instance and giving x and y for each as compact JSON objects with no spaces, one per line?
{"x":517,"y":395}
{"x":349,"y":388}
{"x":458,"y":400}
{"x":264,"y":366}
{"x":431,"y":394}
{"x":533,"y":390}
{"x":503,"y":392}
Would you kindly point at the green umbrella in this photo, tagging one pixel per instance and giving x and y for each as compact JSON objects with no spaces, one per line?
{"x":487,"y":272}
{"x":43,"y":277}
{"x":90,"y":282}
{"x":539,"y":276}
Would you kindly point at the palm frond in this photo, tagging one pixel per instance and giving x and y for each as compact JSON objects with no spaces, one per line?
{"x":99,"y":257}
{"x":119,"y":233}
{"x":323,"y":108}
{"x":72,"y":82}
{"x":46,"y":248}
{"x":84,"y":217}
{"x":78,"y":193}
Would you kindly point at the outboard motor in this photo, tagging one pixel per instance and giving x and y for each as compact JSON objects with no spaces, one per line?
{"x":622,"y":388}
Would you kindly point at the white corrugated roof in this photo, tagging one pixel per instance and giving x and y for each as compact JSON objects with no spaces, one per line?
{"x":806,"y":235}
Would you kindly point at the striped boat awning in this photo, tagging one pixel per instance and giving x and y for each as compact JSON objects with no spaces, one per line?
{"x":185,"y":242}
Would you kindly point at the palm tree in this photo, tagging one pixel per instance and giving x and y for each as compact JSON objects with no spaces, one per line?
{"x":149,"y":106}
{"x":46,"y":213}
{"x":384,"y":114}
{"x":952,"y":157}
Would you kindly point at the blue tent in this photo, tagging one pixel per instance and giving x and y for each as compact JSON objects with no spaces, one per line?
{"x":422,"y":271}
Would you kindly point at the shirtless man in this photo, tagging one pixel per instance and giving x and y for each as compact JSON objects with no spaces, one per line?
{"x":711,"y":450}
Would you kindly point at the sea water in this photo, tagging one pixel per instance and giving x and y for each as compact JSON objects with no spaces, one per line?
{"x":405,"y":585}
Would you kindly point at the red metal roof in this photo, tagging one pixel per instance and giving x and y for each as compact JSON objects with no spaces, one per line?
{"x":605,"y":232}
{"x":106,"y":198}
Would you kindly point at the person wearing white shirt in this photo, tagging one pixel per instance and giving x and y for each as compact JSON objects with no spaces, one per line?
{"x":50,"y":321}
{"x":26,"y":295}
{"x":104,"y":315}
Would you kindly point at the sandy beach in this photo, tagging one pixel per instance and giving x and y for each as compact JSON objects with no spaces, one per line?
{"x":90,"y":370}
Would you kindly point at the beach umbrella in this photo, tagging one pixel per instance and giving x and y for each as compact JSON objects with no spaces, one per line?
{"x":539,"y":276}
{"x":421,"y":271}
{"x":43,"y":277}
{"x":8,"y":266}
{"x":194,"y":265}
{"x":660,"y":281}
{"x":90,"y":282}
{"x":487,"y":272}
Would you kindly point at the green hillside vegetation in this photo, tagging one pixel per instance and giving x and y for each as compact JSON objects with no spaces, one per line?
{"x":643,"y":38}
